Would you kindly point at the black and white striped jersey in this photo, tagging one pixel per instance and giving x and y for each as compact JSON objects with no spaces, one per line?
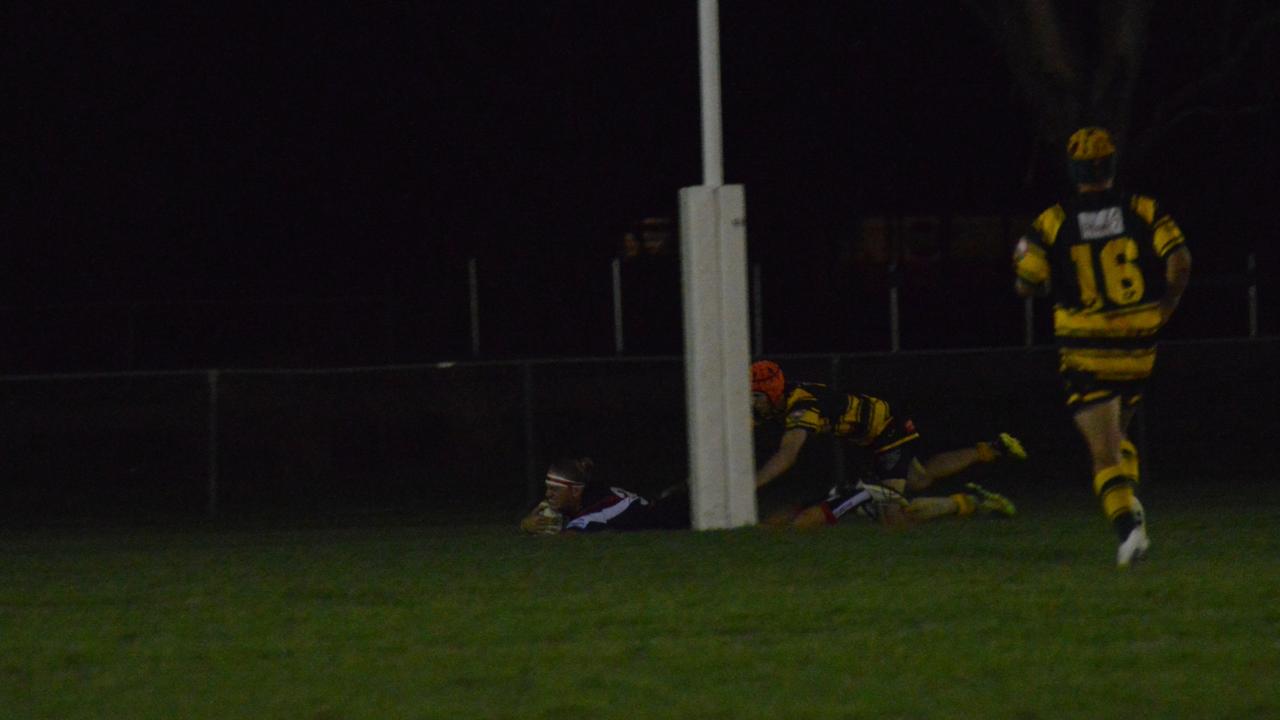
{"x":612,"y":508}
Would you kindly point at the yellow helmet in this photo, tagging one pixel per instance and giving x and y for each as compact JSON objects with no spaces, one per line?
{"x":1090,"y":143}
{"x":1091,"y":155}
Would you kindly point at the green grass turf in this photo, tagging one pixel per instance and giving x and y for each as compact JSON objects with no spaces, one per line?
{"x":958,"y":619}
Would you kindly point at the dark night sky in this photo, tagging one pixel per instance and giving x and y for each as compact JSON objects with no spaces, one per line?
{"x":214,"y":149}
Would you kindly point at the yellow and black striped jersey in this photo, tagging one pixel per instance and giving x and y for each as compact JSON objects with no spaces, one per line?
{"x":860,"y":419}
{"x":1103,"y":254}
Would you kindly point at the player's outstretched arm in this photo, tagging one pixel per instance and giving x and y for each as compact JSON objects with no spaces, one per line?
{"x":784,"y":458}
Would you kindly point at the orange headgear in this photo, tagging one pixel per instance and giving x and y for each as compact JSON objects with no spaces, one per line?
{"x":766,"y":377}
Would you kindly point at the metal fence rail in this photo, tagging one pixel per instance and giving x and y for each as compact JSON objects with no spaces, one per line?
{"x":474,"y":436}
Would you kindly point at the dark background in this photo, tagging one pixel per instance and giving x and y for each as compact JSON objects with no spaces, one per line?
{"x":232,"y":185}
{"x":303,"y":186}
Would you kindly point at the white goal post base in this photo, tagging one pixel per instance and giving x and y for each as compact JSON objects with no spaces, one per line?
{"x":713,"y":253}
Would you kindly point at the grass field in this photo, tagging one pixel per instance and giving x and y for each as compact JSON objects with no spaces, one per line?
{"x":960,"y":619}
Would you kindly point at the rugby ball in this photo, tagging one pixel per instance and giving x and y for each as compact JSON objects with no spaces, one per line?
{"x":547,"y":511}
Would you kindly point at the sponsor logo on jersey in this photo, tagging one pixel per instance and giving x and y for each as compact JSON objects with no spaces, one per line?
{"x":1107,"y":222}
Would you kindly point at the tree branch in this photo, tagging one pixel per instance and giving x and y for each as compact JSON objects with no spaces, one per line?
{"x":1124,"y":40}
{"x":1225,"y":71}
{"x":1044,"y":65}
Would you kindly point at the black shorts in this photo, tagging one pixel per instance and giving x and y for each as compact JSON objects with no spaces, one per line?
{"x":895,"y":450}
{"x":870,"y":471}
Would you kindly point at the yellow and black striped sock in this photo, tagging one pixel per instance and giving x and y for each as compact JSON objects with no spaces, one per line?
{"x":1114,"y":485}
{"x":1129,"y":459}
{"x":965,"y":504}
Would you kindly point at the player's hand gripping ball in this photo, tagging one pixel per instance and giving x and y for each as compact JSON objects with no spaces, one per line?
{"x":549,"y":521}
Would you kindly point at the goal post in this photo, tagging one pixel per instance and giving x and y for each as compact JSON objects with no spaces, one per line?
{"x":713,"y":278}
{"x":717,"y":359}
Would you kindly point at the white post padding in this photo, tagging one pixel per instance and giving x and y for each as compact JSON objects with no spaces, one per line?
{"x":713,"y":252}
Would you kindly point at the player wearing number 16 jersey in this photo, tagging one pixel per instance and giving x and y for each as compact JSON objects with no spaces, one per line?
{"x":1116,"y":266}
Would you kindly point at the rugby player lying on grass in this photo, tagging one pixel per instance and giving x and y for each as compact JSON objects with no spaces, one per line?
{"x":889,"y":444}
{"x":576,"y":503}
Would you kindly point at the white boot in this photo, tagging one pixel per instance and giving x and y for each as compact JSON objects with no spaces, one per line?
{"x":1135,"y":546}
